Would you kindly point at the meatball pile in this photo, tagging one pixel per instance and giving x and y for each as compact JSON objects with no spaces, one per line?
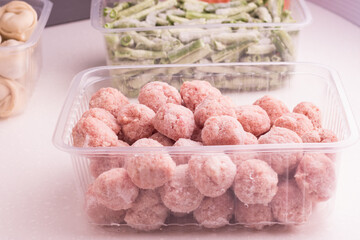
{"x":255,"y":188}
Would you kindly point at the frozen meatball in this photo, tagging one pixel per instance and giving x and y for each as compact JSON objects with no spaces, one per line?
{"x":114,"y":189}
{"x":156,"y":94}
{"x":290,"y":205}
{"x":109,"y":99}
{"x":135,"y":121}
{"x":212,"y":174}
{"x":296,"y":122}
{"x":327,"y":136}
{"x":179,"y":194}
{"x":147,"y":213}
{"x":311,"y":137}
{"x":91,"y":132}
{"x":213,"y":106}
{"x":163,"y":140}
{"x":183,"y":158}
{"x":98,"y":165}
{"x":282,"y":162}
{"x":149,"y":170}
{"x":253,"y":118}
{"x":174,"y":121}
{"x":238,"y":157}
{"x":100,"y":214}
{"x":273,"y":107}
{"x":196,"y":136}
{"x":316,"y":175}
{"x":311,"y":111}
{"x":255,"y":182}
{"x":103,"y":116}
{"x":222,"y":130}
{"x":255,"y":216}
{"x":194,"y":92}
{"x":215,"y":212}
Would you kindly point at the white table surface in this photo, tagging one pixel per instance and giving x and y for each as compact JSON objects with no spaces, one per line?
{"x":38,"y":197}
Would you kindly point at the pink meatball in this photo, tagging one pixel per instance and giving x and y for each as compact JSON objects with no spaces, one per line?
{"x":255,"y":216}
{"x":179,"y":194}
{"x":149,"y":170}
{"x":183,"y":158}
{"x":163,"y":140}
{"x":316,"y":175}
{"x":98,"y":165}
{"x":174,"y":121}
{"x":114,"y":189}
{"x":103,"y":116}
{"x":135,"y":121}
{"x":296,"y":122}
{"x":255,"y":182}
{"x":147,"y":213}
{"x":273,"y":107}
{"x":215,"y":212}
{"x":212,"y":174}
{"x":311,"y":111}
{"x":289,"y":205}
{"x":282,"y":162}
{"x":109,"y":99}
{"x":91,"y":132}
{"x":253,"y":118}
{"x":222,"y":130}
{"x":194,"y":92}
{"x":319,"y":135}
{"x":196,"y":136}
{"x":250,"y":139}
{"x":100,"y":214}
{"x":238,"y":157}
{"x":311,"y":137}
{"x":156,"y":94}
{"x":213,"y":106}
{"x":327,"y":136}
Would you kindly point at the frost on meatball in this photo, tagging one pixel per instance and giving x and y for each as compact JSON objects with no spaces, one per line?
{"x":174,"y":121}
{"x":147,"y":213}
{"x":311,"y":137}
{"x":240,"y":156}
{"x":100,"y":214}
{"x":179,"y":194}
{"x":296,"y":122}
{"x":103,"y":116}
{"x":281,"y":161}
{"x":213,"y":106}
{"x":98,"y":165}
{"x":91,"y":132}
{"x":327,"y":136}
{"x":253,"y":118}
{"x":163,"y":140}
{"x":194,"y":92}
{"x":273,"y":107}
{"x":215,"y":212}
{"x":114,"y":189}
{"x":183,"y":158}
{"x":311,"y":111}
{"x":109,"y":99}
{"x":149,"y":170}
{"x":255,"y":216}
{"x":212,"y":174}
{"x":156,"y":94}
{"x":316,"y":175}
{"x":222,"y":130}
{"x":255,"y":182}
{"x":290,"y":205}
{"x":135,"y":121}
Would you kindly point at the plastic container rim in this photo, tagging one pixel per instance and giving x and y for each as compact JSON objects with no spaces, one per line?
{"x":36,"y":34}
{"x":95,"y":22}
{"x":76,"y":87}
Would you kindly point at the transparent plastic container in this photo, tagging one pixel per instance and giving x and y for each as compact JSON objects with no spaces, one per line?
{"x":197,"y":42}
{"x":325,"y":91}
{"x":20,"y":65}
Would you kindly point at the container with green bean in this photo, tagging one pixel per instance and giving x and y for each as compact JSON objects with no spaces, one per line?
{"x":151,"y":32}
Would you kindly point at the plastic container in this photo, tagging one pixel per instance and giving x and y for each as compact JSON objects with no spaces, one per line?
{"x":325,"y":91}
{"x":200,"y":43}
{"x":20,"y":65}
